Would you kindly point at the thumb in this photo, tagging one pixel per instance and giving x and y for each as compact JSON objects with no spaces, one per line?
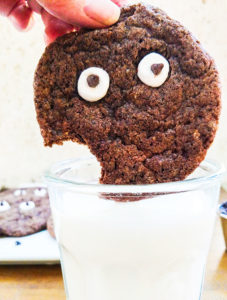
{"x":103,"y":11}
{"x":85,"y":13}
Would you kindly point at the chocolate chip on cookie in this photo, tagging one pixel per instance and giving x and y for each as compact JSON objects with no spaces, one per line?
{"x":143,"y":95}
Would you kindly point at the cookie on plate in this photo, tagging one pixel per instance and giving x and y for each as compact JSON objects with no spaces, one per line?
{"x":143,"y":95}
{"x":23,"y":211}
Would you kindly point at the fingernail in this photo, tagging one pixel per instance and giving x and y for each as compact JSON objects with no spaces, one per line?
{"x":102,"y":11}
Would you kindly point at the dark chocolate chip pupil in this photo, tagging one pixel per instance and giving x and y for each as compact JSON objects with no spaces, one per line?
{"x":1,"y":203}
{"x":157,"y":68}
{"x":93,"y":80}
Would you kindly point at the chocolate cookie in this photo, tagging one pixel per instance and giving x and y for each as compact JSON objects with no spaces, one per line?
{"x":23,"y":211}
{"x":143,"y":95}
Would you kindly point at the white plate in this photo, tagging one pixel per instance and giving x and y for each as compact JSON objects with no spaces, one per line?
{"x":38,"y":248}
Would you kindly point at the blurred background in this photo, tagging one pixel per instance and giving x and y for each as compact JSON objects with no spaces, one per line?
{"x":23,"y":158}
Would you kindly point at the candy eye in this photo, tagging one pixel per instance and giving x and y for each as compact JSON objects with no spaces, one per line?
{"x":40,"y":192}
{"x":20,"y":193}
{"x":4,"y":206}
{"x":153,"y":69}
{"x":93,"y":84}
{"x":26,"y":206}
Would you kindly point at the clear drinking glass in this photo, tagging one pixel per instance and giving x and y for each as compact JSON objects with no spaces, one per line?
{"x":132,"y":242}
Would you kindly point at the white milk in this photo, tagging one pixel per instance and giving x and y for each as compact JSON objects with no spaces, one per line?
{"x":149,"y":249}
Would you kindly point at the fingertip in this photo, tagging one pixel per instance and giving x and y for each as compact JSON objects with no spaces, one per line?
{"x":21,"y":17}
{"x":103,"y":11}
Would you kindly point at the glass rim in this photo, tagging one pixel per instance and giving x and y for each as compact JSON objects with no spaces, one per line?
{"x":215,"y":172}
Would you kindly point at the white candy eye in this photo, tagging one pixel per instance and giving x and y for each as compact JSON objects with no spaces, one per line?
{"x":153,"y":69}
{"x":26,"y":206}
{"x":4,"y":206}
{"x":40,"y":192}
{"x":93,"y":84}
{"x":20,"y":192}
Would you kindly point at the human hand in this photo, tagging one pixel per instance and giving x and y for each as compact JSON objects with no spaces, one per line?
{"x":62,"y":16}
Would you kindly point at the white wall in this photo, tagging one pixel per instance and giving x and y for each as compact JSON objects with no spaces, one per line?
{"x":22,"y":155}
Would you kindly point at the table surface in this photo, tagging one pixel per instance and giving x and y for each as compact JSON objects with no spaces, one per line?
{"x":45,"y":282}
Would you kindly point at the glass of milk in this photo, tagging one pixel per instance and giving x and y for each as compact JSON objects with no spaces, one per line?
{"x":132,"y":242}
